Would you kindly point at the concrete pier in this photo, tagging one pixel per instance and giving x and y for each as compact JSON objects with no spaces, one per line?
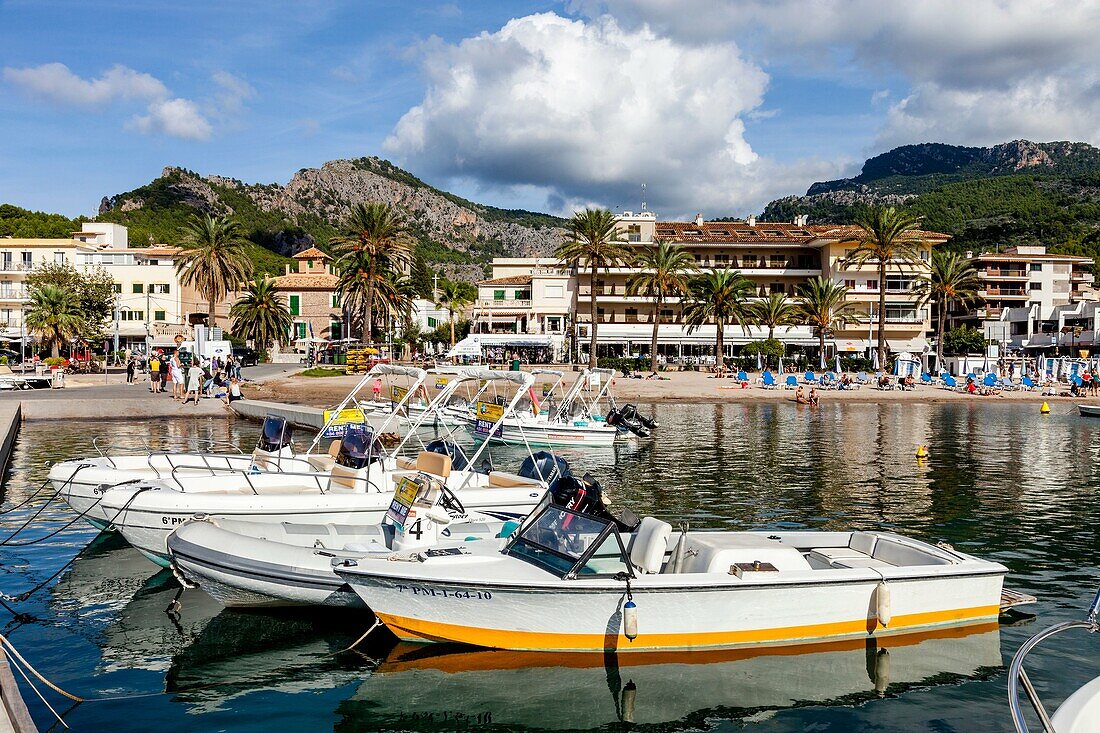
{"x":10,"y":418}
{"x":297,"y":415}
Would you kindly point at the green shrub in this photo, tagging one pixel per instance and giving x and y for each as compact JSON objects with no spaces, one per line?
{"x":321,"y":372}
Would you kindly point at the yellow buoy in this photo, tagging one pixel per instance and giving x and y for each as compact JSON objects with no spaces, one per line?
{"x":922,"y":452}
{"x":1044,"y":409}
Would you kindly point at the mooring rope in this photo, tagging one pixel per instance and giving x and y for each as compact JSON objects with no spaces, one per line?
{"x":31,"y":498}
{"x":66,"y":485}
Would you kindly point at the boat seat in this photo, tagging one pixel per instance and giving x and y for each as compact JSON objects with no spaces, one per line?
{"x":405,"y":464}
{"x":343,"y":478}
{"x":325,"y":461}
{"x":437,"y":464}
{"x":503,"y":479}
{"x":265,"y":460}
{"x":895,"y":552}
{"x":716,"y":552}
{"x":647,"y":551}
{"x":859,"y":562}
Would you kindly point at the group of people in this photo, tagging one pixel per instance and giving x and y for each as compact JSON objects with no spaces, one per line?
{"x":802,"y":397}
{"x":190,"y":376}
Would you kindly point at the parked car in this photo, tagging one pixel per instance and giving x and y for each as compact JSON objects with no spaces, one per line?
{"x":246,"y":356}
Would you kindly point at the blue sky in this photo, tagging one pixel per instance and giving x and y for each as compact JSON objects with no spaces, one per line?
{"x":717,"y":106}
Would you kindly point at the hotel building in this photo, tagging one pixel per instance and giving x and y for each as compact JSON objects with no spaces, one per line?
{"x":777,"y":258}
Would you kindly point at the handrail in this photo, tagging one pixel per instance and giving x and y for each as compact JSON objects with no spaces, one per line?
{"x":248,"y":474}
{"x":1017,"y":676}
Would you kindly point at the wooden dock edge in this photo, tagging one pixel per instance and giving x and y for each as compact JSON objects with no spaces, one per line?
{"x":14,"y":716}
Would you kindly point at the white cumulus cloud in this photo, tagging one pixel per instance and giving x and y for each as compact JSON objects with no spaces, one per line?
{"x":587,"y":111}
{"x":173,"y":117}
{"x":164,"y":114}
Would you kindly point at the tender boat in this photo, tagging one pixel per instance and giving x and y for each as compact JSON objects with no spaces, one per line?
{"x":249,"y":564}
{"x":81,"y":482}
{"x":355,"y":491}
{"x":1089,"y":410}
{"x":1080,"y":712}
{"x":575,"y":578}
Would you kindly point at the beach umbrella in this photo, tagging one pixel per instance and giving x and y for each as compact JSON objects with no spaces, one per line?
{"x":822,"y":361}
{"x":780,"y":370}
{"x":837,"y":365}
{"x":874,"y":359}
{"x":759,"y":362}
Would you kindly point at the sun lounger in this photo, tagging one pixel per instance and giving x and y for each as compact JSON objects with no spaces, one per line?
{"x":742,"y":377}
{"x":809,"y":378}
{"x":767,"y":381}
{"x":925,"y":378}
{"x":791,"y":382}
{"x":1007,"y":385}
{"x":1028,"y":384}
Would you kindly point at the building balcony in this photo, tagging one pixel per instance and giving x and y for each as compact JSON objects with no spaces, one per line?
{"x":15,"y":267}
{"x":1003,"y":293}
{"x":14,"y":294}
{"x":1078,"y":276}
{"x":492,"y":304}
{"x":991,"y":273}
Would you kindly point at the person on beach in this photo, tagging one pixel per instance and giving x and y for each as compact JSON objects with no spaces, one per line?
{"x":194,"y":382}
{"x":234,"y":392}
{"x":131,"y":367}
{"x":800,"y":395}
{"x":813,"y":396}
{"x":376,"y":389}
{"x":154,"y":373}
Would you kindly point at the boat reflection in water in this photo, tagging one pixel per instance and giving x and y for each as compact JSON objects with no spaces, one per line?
{"x":419,"y":687}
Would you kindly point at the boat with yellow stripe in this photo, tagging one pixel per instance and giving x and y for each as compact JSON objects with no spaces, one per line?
{"x":575,"y":578}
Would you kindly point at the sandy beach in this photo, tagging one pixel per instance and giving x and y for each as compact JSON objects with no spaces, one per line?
{"x":673,"y":387}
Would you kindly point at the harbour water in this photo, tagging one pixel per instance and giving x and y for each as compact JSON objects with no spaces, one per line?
{"x":1001,"y":482}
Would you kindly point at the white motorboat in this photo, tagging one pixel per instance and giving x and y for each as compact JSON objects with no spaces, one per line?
{"x":573,"y":421}
{"x":355,"y":491}
{"x":573,"y":580}
{"x":1078,"y":713}
{"x":249,"y":564}
{"x":81,"y":482}
{"x":524,"y":690}
{"x":1089,"y":410}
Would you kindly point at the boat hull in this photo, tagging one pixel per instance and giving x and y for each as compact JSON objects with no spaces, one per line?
{"x":577,"y":616}
{"x":554,"y":435}
{"x":1089,"y":410}
{"x":147,"y":520}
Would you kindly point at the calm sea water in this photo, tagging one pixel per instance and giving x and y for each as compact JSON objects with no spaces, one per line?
{"x":1002,"y":482}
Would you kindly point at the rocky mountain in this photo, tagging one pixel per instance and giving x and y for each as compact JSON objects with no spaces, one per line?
{"x":1019,"y":192}
{"x":307,"y":211}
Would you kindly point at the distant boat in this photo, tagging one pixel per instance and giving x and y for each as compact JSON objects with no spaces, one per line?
{"x":1089,"y":410}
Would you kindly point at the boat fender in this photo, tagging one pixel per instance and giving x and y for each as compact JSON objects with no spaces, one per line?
{"x":629,"y":699}
{"x":922,"y":452}
{"x":882,"y":603}
{"x":630,"y":620}
{"x":437,"y":515}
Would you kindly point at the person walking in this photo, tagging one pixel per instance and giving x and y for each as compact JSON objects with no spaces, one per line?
{"x":154,"y":373}
{"x":194,"y":382}
{"x":131,"y":367}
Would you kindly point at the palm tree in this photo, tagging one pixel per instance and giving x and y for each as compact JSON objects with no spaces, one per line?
{"x":53,"y":315}
{"x":664,"y":273}
{"x":375,"y":241}
{"x":951,"y":280}
{"x":214,"y":260}
{"x":395,"y":294}
{"x":774,"y":311}
{"x":822,"y":305}
{"x":261,"y":314}
{"x":886,"y":236}
{"x":453,"y":299}
{"x":718,"y":296}
{"x":593,"y":242}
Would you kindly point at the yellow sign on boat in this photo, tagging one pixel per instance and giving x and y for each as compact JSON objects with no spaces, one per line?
{"x":441,"y":382}
{"x":403,"y":497}
{"x":398,"y":393}
{"x":346,"y":416}
{"x":489,"y":411}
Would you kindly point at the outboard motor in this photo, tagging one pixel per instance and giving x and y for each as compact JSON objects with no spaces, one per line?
{"x":625,"y":418}
{"x":275,"y":435}
{"x":630,"y":412}
{"x":459,"y":461}
{"x":359,"y":449}
{"x":586,"y":495}
{"x":545,"y":466}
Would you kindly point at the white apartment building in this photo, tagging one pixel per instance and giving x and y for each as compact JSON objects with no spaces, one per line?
{"x":528,"y":302}
{"x":150,"y":301}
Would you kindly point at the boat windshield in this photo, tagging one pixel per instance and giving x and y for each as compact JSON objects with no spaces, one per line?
{"x":274,"y":435}
{"x":568,"y":544}
{"x":357,"y":449}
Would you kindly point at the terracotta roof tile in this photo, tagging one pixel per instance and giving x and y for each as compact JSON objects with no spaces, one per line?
{"x":513,"y":280}
{"x":761,"y":231}
{"x":305,"y":281}
{"x":311,"y":254}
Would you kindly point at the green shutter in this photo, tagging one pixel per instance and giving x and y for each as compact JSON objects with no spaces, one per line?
{"x":334,"y":330}
{"x":335,"y":300}
{"x":498,"y":295}
{"x":431,"y":322}
{"x":301,"y":330}
{"x":294,"y":305}
{"x":138,"y":289}
{"x":158,"y":315}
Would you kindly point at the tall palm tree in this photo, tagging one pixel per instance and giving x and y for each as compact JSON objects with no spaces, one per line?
{"x":774,"y":311}
{"x":261,"y":314}
{"x":887,"y":237}
{"x":375,"y":240}
{"x":214,"y":260}
{"x":395,"y":294}
{"x":718,"y":296}
{"x":592,"y":242}
{"x":951,"y":280}
{"x":822,"y":305}
{"x":663,"y":274}
{"x":53,"y":315}
{"x":452,"y":298}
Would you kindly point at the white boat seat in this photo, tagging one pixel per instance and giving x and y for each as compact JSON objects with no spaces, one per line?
{"x":437,"y":464}
{"x":895,"y":552}
{"x":265,"y":460}
{"x":836,"y":553}
{"x":647,"y":551}
{"x":342,"y":478}
{"x":859,"y":562}
{"x":325,"y":461}
{"x":716,"y":552}
{"x":503,"y":479}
